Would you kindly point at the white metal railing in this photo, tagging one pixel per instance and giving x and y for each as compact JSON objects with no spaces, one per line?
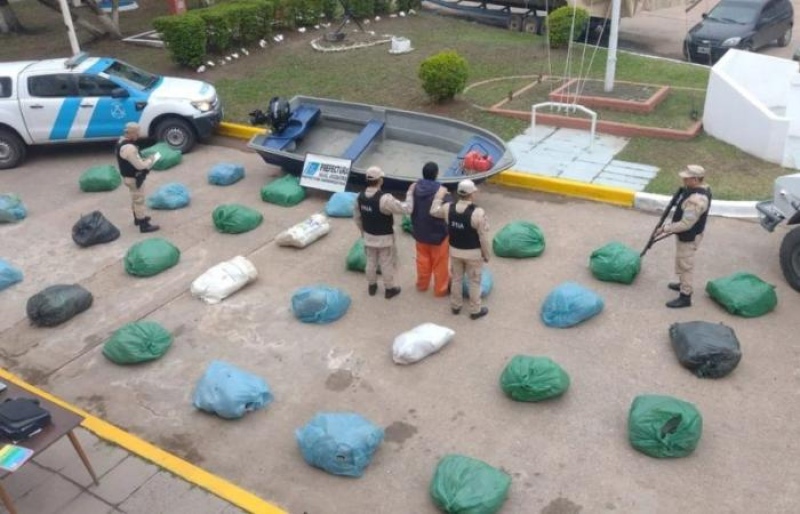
{"x":568,"y":108}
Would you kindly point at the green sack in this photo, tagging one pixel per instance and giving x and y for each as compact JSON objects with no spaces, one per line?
{"x":533,"y":379}
{"x":151,"y":257}
{"x":615,"y":262}
{"x":743,"y":294}
{"x":285,"y":191}
{"x":137,"y":342}
{"x":169,"y":156}
{"x":463,"y":485}
{"x":406,"y":224}
{"x":357,"y":256}
{"x":519,"y":240}
{"x":664,"y":427}
{"x":235,"y":219}
{"x":104,"y":177}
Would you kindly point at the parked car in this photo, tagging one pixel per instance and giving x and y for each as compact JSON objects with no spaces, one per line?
{"x":92,"y":98}
{"x":743,"y":24}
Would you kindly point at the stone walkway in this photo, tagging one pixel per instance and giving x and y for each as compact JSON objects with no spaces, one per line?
{"x":56,"y":482}
{"x":571,"y":154}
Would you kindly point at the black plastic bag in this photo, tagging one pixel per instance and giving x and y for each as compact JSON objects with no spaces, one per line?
{"x":709,"y":350}
{"x":56,"y":304}
{"x":94,"y":229}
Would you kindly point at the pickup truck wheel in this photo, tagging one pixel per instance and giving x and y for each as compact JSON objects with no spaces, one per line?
{"x":786,"y":38}
{"x":790,"y":258}
{"x":177,"y":133}
{"x":12,"y":149}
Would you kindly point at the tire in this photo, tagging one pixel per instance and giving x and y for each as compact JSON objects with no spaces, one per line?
{"x":12,"y":149}
{"x":177,"y":133}
{"x":786,"y":38}
{"x":515,"y":23}
{"x":790,"y":258}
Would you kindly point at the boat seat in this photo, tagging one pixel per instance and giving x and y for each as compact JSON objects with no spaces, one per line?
{"x":474,"y":143}
{"x":303,"y":118}
{"x":365,"y":137}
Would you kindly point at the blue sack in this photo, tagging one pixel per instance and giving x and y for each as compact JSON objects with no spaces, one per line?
{"x":487,"y":282}
{"x":229,"y":392}
{"x":169,"y":196}
{"x":11,"y":208}
{"x":9,"y":275}
{"x":319,"y":304}
{"x":340,"y":443}
{"x":225,"y":174}
{"x":570,"y":304}
{"x":341,"y":205}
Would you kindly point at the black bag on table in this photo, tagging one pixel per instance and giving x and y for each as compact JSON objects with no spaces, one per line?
{"x":94,"y":229}
{"x":709,"y":350}
{"x":20,"y":418}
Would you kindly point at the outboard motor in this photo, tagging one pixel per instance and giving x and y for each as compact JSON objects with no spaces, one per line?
{"x":277,"y":115}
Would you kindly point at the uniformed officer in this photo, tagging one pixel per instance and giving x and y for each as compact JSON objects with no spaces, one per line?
{"x":375,"y":219}
{"x":430,"y":233}
{"x":688,"y":224}
{"x":468,"y":229}
{"x":134,"y":170}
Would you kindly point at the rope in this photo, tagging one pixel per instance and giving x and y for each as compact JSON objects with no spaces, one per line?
{"x":567,"y":64}
{"x":596,"y":47}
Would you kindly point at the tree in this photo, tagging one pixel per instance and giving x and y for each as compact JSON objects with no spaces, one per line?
{"x":107,"y":25}
{"x":8,"y":20}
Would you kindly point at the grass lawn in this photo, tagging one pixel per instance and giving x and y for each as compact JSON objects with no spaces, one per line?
{"x":372,"y":75}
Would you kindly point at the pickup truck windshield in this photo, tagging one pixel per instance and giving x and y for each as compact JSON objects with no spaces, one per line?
{"x":140,"y":79}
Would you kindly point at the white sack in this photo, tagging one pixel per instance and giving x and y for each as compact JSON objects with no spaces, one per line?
{"x":305,"y":233}
{"x":419,"y":342}
{"x":224,"y":279}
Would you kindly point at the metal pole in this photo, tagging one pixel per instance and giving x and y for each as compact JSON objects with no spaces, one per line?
{"x":73,"y":39}
{"x":611,"y":63}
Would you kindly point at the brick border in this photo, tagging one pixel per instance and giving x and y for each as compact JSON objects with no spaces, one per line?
{"x":616,"y":104}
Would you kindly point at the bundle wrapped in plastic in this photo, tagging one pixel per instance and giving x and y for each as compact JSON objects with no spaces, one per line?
{"x":94,"y":229}
{"x":136,"y":342}
{"x":169,"y":156}
{"x":519,"y":240}
{"x":664,"y":427}
{"x":230,"y":392}
{"x":320,"y":304}
{"x":56,"y":304}
{"x":341,"y":443}
{"x":419,"y":342}
{"x":487,"y":283}
{"x":9,"y":275}
{"x":103,"y":177}
{"x":170,"y":197}
{"x":341,"y":205}
{"x":615,"y":262}
{"x":533,"y":379}
{"x":305,"y":232}
{"x":234,"y":218}
{"x":570,"y":304}
{"x":224,"y":279}
{"x":406,"y":224}
{"x":463,"y":485}
{"x":743,"y":294}
{"x":11,"y":208}
{"x":151,"y":257}
{"x":285,"y":191}
{"x":709,"y":350}
{"x":225,"y":174}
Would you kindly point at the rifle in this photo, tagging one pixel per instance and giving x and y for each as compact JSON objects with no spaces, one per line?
{"x":653,"y":239}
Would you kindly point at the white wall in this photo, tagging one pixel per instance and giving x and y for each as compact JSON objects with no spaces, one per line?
{"x":742,"y":88}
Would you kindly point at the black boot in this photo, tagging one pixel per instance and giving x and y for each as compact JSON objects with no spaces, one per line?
{"x":481,"y":313}
{"x":391,"y":293}
{"x":684,"y":300}
{"x":675,"y":286}
{"x":145,"y":226}
{"x":137,"y":221}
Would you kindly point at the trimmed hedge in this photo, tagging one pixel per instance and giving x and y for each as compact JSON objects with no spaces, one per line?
{"x":184,"y":37}
{"x":444,"y":75}
{"x":559,"y":24}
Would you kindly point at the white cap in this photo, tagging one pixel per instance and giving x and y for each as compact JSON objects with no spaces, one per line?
{"x":693,"y":171}
{"x":374,"y":173}
{"x":466,"y":187}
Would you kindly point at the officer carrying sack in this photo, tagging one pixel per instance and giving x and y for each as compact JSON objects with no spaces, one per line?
{"x":20,"y":418}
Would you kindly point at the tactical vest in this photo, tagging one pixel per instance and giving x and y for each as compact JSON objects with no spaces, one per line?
{"x":427,"y":229}
{"x":459,"y":226}
{"x":698,"y":227}
{"x":126,"y":169}
{"x":374,"y":221}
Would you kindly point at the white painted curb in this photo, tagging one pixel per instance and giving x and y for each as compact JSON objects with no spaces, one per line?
{"x":725,"y":208}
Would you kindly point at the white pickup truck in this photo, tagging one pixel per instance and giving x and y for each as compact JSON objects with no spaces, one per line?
{"x":92,"y":98}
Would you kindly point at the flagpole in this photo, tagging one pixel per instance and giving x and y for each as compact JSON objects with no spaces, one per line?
{"x":611,"y":62}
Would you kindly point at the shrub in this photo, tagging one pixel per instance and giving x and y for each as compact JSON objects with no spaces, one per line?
{"x":443,"y":75}
{"x":406,"y":5}
{"x":184,"y":37}
{"x":331,"y":9}
{"x":219,"y":27}
{"x":559,"y":25}
{"x":382,"y":6}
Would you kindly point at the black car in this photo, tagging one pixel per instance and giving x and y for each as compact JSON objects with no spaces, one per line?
{"x":743,"y":24}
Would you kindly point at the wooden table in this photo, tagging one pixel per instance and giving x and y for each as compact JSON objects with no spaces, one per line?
{"x":62,"y":424}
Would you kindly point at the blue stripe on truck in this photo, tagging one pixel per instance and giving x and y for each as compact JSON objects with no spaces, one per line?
{"x":65,"y":118}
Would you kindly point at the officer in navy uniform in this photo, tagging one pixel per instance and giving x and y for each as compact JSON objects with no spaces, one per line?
{"x":134,"y":170}
{"x":375,"y":219}
{"x":468,"y":229}
{"x":688,"y":224}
